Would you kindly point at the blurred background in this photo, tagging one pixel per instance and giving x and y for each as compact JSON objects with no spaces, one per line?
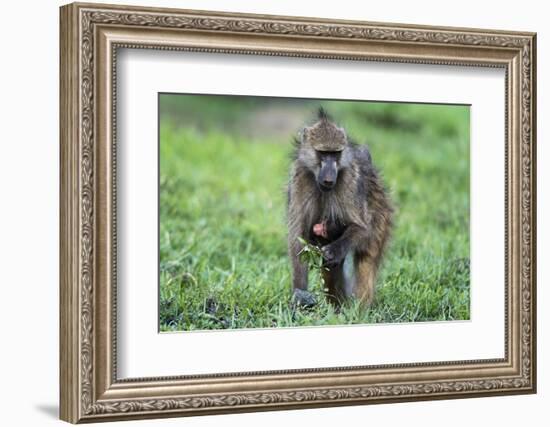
{"x":224,"y":163}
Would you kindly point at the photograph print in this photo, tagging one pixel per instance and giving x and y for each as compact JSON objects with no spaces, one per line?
{"x":286,"y":212}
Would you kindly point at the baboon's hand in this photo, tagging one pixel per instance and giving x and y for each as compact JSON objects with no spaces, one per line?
{"x":334,"y":253}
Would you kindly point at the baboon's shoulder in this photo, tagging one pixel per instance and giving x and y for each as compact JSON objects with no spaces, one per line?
{"x":300,"y":181}
{"x":362,"y":154}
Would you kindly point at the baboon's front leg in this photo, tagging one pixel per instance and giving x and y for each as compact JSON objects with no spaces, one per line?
{"x":299,"y":269}
{"x":300,"y":295}
{"x":335,"y":252}
{"x":366,"y":260}
{"x":334,"y":284}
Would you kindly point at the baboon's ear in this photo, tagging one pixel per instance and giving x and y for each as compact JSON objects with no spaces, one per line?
{"x":343,"y":133}
{"x":304,"y":135}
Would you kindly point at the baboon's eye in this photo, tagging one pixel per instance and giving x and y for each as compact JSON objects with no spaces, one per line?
{"x":329,"y":154}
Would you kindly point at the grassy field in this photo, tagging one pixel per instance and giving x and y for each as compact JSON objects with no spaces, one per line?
{"x":223,"y":170}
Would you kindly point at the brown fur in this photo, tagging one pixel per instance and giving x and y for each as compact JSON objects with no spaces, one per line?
{"x":357,"y":210}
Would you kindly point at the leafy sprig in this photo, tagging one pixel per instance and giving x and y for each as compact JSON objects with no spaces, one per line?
{"x":312,"y":255}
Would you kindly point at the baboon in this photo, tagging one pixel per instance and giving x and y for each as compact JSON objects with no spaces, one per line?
{"x":337,"y":201}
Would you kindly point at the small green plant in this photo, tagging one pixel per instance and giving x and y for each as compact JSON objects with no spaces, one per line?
{"x":313,"y":257}
{"x":311,"y":254}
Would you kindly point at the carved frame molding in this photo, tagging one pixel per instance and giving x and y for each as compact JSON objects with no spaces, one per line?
{"x":90,"y":37}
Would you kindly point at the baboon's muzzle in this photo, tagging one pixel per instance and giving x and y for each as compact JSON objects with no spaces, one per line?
{"x":328,"y":174}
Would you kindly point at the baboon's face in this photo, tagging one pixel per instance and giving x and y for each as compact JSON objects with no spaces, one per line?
{"x":325,"y":166}
{"x":324,"y":150}
{"x":327,"y":175}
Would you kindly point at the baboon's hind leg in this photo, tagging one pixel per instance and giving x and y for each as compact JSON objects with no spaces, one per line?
{"x":365,"y":279}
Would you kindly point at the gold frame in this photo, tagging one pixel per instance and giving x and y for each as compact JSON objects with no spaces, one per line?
{"x":90,"y":36}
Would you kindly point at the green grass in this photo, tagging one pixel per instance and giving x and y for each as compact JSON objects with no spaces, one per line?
{"x":223,"y":261}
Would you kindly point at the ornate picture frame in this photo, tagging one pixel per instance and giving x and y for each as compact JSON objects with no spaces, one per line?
{"x":90,"y":37}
